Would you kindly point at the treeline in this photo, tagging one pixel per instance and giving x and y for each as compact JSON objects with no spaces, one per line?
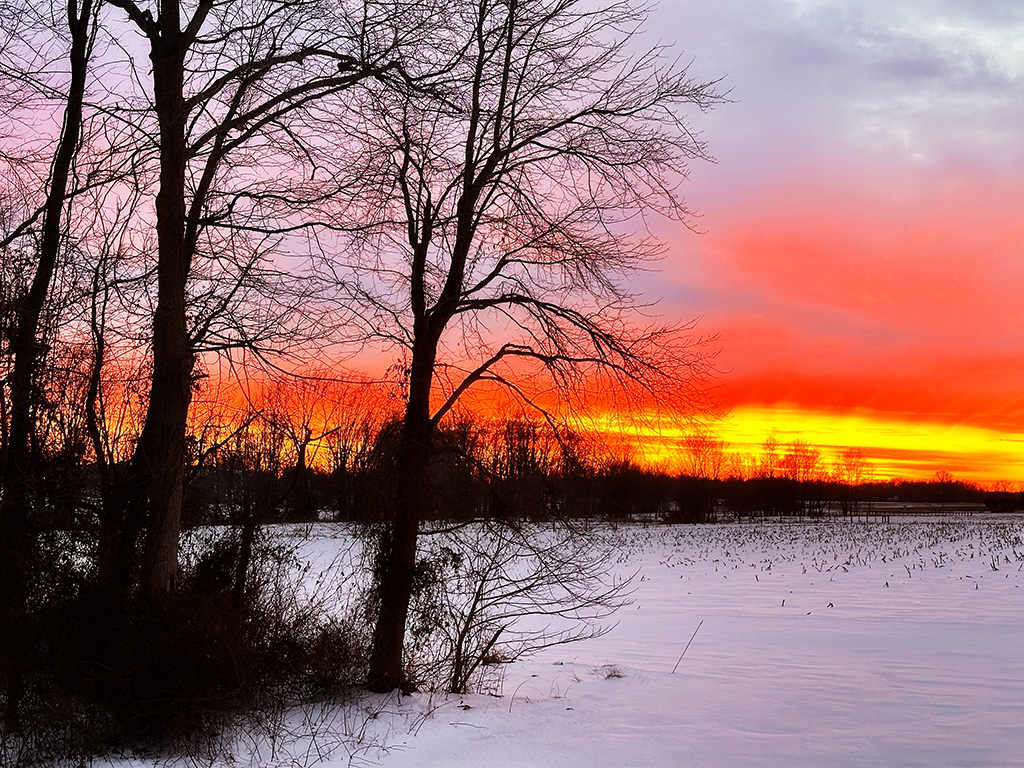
{"x":513,"y":467}
{"x":523,"y":469}
{"x":312,"y":448}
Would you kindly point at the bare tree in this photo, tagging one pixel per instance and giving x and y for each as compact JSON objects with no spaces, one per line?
{"x":494,"y":591}
{"x":704,"y":465}
{"x":851,"y":469}
{"x":227,"y":79}
{"x":705,"y":455}
{"x":524,"y":456}
{"x":802,"y":465}
{"x":81,"y":30}
{"x":944,"y":485}
{"x":769,"y":464}
{"x":309,"y":407}
{"x":80,"y":21}
{"x":498,"y":211}
{"x":353,"y":444}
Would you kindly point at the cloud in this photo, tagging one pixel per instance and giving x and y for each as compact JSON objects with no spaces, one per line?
{"x":925,"y":81}
{"x":853,"y":290}
{"x":936,"y":259}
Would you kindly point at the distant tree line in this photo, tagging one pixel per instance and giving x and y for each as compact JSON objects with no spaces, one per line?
{"x":514,"y":467}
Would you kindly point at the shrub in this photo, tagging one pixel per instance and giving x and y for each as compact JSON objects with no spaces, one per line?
{"x":107,"y":675}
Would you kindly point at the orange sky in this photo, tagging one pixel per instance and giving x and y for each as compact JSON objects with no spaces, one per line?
{"x":857,"y":313}
{"x":862,"y":246}
{"x":861,"y":256}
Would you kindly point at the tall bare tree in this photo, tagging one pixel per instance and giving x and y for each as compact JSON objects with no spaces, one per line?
{"x":46,"y":224}
{"x":499,"y":212}
{"x":228,"y":80}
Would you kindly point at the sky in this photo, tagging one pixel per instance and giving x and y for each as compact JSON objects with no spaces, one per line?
{"x":861,"y":246}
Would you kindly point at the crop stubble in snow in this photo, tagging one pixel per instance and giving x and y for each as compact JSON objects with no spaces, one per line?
{"x":838,"y":644}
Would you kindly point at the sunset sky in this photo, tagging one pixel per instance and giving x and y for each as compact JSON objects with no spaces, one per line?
{"x":862,"y":254}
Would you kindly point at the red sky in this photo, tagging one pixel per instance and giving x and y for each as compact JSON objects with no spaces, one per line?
{"x":862,"y":255}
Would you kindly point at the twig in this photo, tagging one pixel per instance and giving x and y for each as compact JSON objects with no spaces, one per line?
{"x":687,"y":646}
{"x":514,"y":694}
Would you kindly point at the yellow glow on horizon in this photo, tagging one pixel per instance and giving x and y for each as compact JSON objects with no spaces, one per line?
{"x":895,"y":447}
{"x":904,"y":448}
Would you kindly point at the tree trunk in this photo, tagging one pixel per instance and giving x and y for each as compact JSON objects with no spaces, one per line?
{"x":397,"y":555}
{"x":398,"y":567}
{"x":160,"y":454}
{"x":15,"y":532}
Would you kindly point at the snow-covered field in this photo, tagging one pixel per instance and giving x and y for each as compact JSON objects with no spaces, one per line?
{"x":819,"y":644}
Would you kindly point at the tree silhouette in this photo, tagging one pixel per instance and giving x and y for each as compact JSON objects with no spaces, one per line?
{"x":499,"y":206}
{"x":227,"y":79}
{"x":25,"y":346}
{"x":852,"y":469}
{"x":705,"y":458}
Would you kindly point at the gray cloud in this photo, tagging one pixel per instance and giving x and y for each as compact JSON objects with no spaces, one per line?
{"x":904,"y":78}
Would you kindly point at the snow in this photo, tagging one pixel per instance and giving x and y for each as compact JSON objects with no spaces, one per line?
{"x":829,"y":643}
